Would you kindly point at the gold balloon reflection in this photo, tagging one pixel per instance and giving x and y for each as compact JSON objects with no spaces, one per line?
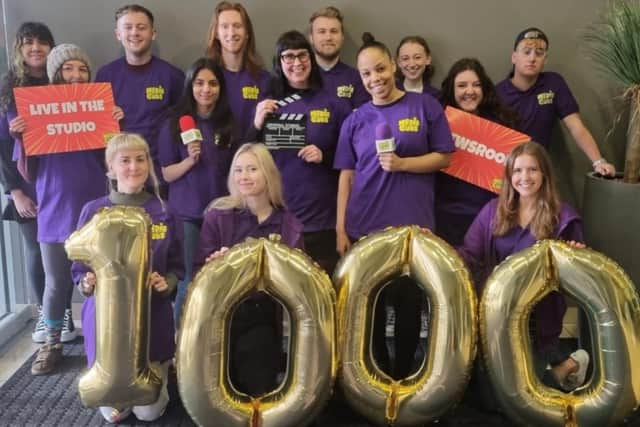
{"x":304,"y":289}
{"x":442,"y":275}
{"x":115,"y":243}
{"x":611,"y":303}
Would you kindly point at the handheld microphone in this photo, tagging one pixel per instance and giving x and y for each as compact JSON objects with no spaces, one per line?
{"x":189,"y":132}
{"x":385,"y":142}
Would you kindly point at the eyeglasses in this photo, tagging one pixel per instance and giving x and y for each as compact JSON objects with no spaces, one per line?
{"x":290,"y":58}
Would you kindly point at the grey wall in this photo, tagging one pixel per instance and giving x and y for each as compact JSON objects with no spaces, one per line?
{"x":454,"y":28}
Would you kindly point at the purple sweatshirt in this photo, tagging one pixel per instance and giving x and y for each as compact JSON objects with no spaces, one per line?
{"x":482,"y":251}
{"x":231,"y":226}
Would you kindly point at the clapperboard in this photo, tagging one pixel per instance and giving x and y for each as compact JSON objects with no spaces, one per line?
{"x":285,"y":130}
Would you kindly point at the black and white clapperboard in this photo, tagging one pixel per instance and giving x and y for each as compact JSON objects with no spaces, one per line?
{"x":285,"y":130}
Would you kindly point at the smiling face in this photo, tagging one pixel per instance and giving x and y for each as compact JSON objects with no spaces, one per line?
{"x":131,"y":169}
{"x":248,"y":178}
{"x":413,"y":60}
{"x":326,"y":37}
{"x":136,"y":33}
{"x":74,"y":71}
{"x":296,"y":67}
{"x":206,"y":90}
{"x":377,"y":72}
{"x":231,"y":32}
{"x":529,"y":58}
{"x":467,"y":91}
{"x":34,"y":53}
{"x":527,"y":177}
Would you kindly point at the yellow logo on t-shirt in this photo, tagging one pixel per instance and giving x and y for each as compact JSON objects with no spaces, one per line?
{"x":250,"y":92}
{"x":155,"y":93}
{"x":320,"y":116}
{"x":158,"y":231}
{"x":409,"y":125}
{"x":345,"y":91}
{"x":546,"y":98}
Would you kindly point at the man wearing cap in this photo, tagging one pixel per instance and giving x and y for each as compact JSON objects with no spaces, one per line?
{"x":541,"y":97}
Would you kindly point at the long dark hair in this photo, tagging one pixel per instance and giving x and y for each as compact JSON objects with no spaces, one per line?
{"x":221,"y":117}
{"x":18,"y":74}
{"x":428,"y":70}
{"x":293,"y":40}
{"x":490,"y":106}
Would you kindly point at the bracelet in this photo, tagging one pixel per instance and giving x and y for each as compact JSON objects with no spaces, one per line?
{"x":600,"y":161}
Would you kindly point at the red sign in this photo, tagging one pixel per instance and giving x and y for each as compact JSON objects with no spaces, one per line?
{"x":482,"y":147}
{"x":63,"y":118}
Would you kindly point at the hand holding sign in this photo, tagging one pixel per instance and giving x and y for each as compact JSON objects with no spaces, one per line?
{"x":63,"y":118}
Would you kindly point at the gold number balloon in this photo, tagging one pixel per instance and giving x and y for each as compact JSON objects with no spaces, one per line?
{"x":203,"y":343}
{"x":609,"y":298}
{"x":115,"y":244}
{"x":442,"y":275}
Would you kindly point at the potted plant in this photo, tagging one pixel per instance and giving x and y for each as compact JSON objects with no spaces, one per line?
{"x":611,"y":208}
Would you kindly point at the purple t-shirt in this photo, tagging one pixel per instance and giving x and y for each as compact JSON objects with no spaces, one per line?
{"x":28,"y":188}
{"x":231,"y":226}
{"x":344,"y":82}
{"x":166,"y":258}
{"x":144,"y":93}
{"x":379,"y":199}
{"x":310,"y":189}
{"x":244,"y":92}
{"x":64,"y":183}
{"x":425,"y":88}
{"x":206,"y":180}
{"x":540,"y":106}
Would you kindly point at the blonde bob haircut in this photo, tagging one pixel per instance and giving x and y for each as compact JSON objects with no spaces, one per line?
{"x":129,"y":141}
{"x":271,"y":175}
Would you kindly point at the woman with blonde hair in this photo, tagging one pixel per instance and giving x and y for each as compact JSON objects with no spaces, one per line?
{"x":129,"y":167}
{"x":254,"y":208}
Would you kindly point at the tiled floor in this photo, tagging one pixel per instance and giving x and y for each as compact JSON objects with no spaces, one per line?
{"x":15,"y":352}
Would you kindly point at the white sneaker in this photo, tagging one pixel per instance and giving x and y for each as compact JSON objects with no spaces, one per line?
{"x":69,"y":331}
{"x":155,"y":410}
{"x":112,"y":415}
{"x":576,"y":379}
{"x":39,"y":333}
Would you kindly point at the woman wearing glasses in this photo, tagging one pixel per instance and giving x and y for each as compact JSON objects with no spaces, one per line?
{"x":310,"y":182}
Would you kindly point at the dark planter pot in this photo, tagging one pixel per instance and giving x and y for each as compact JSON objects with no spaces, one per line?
{"x":611,"y":214}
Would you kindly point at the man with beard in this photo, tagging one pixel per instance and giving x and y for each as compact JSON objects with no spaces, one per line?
{"x":327,"y":36}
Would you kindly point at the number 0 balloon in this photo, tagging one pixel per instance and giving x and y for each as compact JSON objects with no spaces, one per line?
{"x":203,"y":345}
{"x":610,"y":300}
{"x":442,"y":275}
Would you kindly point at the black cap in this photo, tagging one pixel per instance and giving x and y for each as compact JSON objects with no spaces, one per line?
{"x":531,"y":34}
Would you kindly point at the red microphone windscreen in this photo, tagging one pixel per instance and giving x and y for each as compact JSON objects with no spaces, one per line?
{"x":186,"y":123}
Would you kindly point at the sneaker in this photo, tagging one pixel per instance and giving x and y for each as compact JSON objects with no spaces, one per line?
{"x":39,"y":334}
{"x":576,"y":379}
{"x":49,"y":355}
{"x":112,"y":415}
{"x":69,"y":331}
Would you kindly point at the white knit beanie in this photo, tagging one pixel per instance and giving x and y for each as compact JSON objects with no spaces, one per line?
{"x":63,"y":53}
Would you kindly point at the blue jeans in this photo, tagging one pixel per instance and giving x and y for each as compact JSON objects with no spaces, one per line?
{"x":191,"y":238}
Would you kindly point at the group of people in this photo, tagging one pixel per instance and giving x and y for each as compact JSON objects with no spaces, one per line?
{"x":213,"y":193}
